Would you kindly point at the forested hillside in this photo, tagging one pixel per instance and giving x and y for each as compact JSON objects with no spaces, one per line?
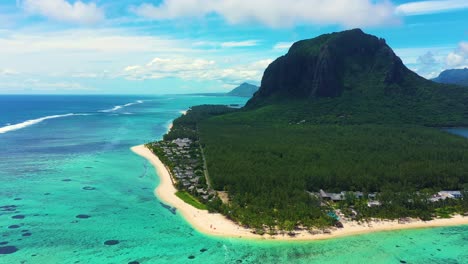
{"x":339,"y":112}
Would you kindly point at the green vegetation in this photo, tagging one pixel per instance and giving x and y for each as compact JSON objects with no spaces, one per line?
{"x":445,"y":106}
{"x":181,"y":153}
{"x":186,"y":197}
{"x":258,"y":158}
{"x":397,"y":201}
{"x":340,"y":113}
{"x":186,"y":125}
{"x":270,"y":168}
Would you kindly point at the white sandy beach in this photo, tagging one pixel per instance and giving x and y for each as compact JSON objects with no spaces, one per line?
{"x":218,"y":225}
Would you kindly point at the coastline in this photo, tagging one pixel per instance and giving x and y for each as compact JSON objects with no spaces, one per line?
{"x":215,"y":224}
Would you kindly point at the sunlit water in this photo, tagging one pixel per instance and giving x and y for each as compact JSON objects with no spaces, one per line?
{"x":71,"y":191}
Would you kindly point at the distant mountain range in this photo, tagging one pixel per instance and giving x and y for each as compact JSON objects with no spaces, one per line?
{"x":454,"y":76}
{"x":244,"y":90}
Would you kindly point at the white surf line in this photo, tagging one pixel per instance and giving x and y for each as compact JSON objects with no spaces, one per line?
{"x":117,"y":107}
{"x":31,"y":122}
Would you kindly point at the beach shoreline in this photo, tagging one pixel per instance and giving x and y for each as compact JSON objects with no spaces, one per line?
{"x":215,"y":224}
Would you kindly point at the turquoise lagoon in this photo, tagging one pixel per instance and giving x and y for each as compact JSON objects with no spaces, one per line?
{"x":71,"y":191}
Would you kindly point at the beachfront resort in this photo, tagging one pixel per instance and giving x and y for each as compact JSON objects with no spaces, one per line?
{"x":184,"y":160}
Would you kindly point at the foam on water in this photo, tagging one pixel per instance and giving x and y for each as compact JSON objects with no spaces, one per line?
{"x":117,"y":107}
{"x":31,"y":122}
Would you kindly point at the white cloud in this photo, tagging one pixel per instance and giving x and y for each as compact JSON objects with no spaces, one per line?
{"x":39,"y":85}
{"x":427,"y":59}
{"x":411,"y":56}
{"x":282,"y":45}
{"x":276,"y":13}
{"x":98,"y":50}
{"x":454,"y":59}
{"x":61,"y":10}
{"x":106,"y":55}
{"x":196,"y":69}
{"x":428,"y":65}
{"x":459,"y":57}
{"x":89,"y":41}
{"x":226,"y":44}
{"x":236,"y":44}
{"x":463,"y":47}
{"x":132,"y":68}
{"x":430,"y":61}
{"x":8,"y":72}
{"x":430,"y":7}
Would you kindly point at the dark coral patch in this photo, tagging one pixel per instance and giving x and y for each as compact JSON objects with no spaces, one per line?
{"x":8,"y":208}
{"x":18,"y":217}
{"x":17,"y":199}
{"x":89,"y":188}
{"x":66,"y":180}
{"x":8,"y":249}
{"x":191,"y":257}
{"x":203,"y":250}
{"x":111,"y":242}
{"x":26,"y":234}
{"x":134,"y":262}
{"x":83,"y":216}
{"x":14,"y":226}
{"x":402,"y":261}
{"x":3,"y":243}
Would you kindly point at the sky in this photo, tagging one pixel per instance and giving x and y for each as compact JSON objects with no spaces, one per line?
{"x":189,"y":46}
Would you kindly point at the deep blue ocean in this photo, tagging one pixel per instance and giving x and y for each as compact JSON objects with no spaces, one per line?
{"x":71,"y":191}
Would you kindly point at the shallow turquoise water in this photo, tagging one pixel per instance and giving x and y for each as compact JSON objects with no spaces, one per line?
{"x":57,"y":169}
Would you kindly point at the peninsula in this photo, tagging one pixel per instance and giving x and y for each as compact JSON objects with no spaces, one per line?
{"x":340,"y":139}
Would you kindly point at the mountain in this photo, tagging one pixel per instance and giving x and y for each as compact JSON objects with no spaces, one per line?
{"x":339,"y":112}
{"x":328,"y":65}
{"x":454,"y":76}
{"x":244,"y":90}
{"x":352,"y":77}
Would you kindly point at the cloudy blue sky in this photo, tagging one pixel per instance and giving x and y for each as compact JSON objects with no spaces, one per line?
{"x":186,"y":46}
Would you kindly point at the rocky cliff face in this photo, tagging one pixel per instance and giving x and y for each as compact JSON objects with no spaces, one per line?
{"x":328,"y":65}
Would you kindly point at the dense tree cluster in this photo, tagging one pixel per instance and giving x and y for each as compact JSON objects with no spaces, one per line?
{"x":270,"y":169}
{"x":339,"y":112}
{"x":256,"y":158}
{"x":186,"y":125}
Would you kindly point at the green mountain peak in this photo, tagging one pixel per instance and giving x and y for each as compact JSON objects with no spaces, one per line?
{"x":330,"y":64}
